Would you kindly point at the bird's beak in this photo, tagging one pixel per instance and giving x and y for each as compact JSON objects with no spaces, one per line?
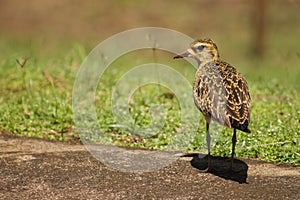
{"x":183,"y":55}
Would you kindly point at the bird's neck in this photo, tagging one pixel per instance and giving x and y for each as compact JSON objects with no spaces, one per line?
{"x":204,"y":62}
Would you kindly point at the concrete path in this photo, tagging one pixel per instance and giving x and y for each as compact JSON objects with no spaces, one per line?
{"x":39,"y":169}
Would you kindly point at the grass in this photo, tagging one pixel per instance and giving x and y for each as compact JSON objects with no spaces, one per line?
{"x":36,"y":98}
{"x":36,"y":101}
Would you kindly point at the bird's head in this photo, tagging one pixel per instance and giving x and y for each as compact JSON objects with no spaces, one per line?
{"x":203,"y":50}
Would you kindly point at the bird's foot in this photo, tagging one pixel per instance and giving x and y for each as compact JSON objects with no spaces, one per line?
{"x":204,"y":170}
{"x":207,"y":169}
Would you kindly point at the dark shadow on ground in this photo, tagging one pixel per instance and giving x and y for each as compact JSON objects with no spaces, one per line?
{"x":220,"y":166}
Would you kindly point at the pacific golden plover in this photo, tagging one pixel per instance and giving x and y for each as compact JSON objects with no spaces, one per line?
{"x":220,"y":92}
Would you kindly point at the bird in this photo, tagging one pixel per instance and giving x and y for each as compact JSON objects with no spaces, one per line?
{"x":220,"y":92}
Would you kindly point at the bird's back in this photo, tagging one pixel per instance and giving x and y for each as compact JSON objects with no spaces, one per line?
{"x":221,"y":93}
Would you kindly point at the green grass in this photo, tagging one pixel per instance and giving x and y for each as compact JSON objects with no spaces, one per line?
{"x":36,"y":101}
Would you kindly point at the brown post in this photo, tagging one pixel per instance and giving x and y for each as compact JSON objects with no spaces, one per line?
{"x":260,"y":27}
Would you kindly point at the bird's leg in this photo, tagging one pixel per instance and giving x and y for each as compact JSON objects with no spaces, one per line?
{"x":208,"y":149}
{"x":208,"y":146}
{"x":233,"y":147}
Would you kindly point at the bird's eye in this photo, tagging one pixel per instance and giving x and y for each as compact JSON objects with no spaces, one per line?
{"x":200,"y":47}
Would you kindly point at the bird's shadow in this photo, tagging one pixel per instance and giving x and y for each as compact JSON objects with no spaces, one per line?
{"x":220,"y":166}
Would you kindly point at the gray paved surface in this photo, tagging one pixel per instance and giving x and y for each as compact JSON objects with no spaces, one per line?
{"x":38,"y":169}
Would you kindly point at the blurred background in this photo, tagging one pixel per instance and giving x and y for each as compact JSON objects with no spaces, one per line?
{"x":43,"y":42}
{"x":253,"y":26}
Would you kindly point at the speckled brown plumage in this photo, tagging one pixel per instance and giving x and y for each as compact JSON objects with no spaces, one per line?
{"x":220,"y":92}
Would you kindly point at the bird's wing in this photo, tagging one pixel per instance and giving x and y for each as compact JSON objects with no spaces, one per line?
{"x":237,"y":97}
